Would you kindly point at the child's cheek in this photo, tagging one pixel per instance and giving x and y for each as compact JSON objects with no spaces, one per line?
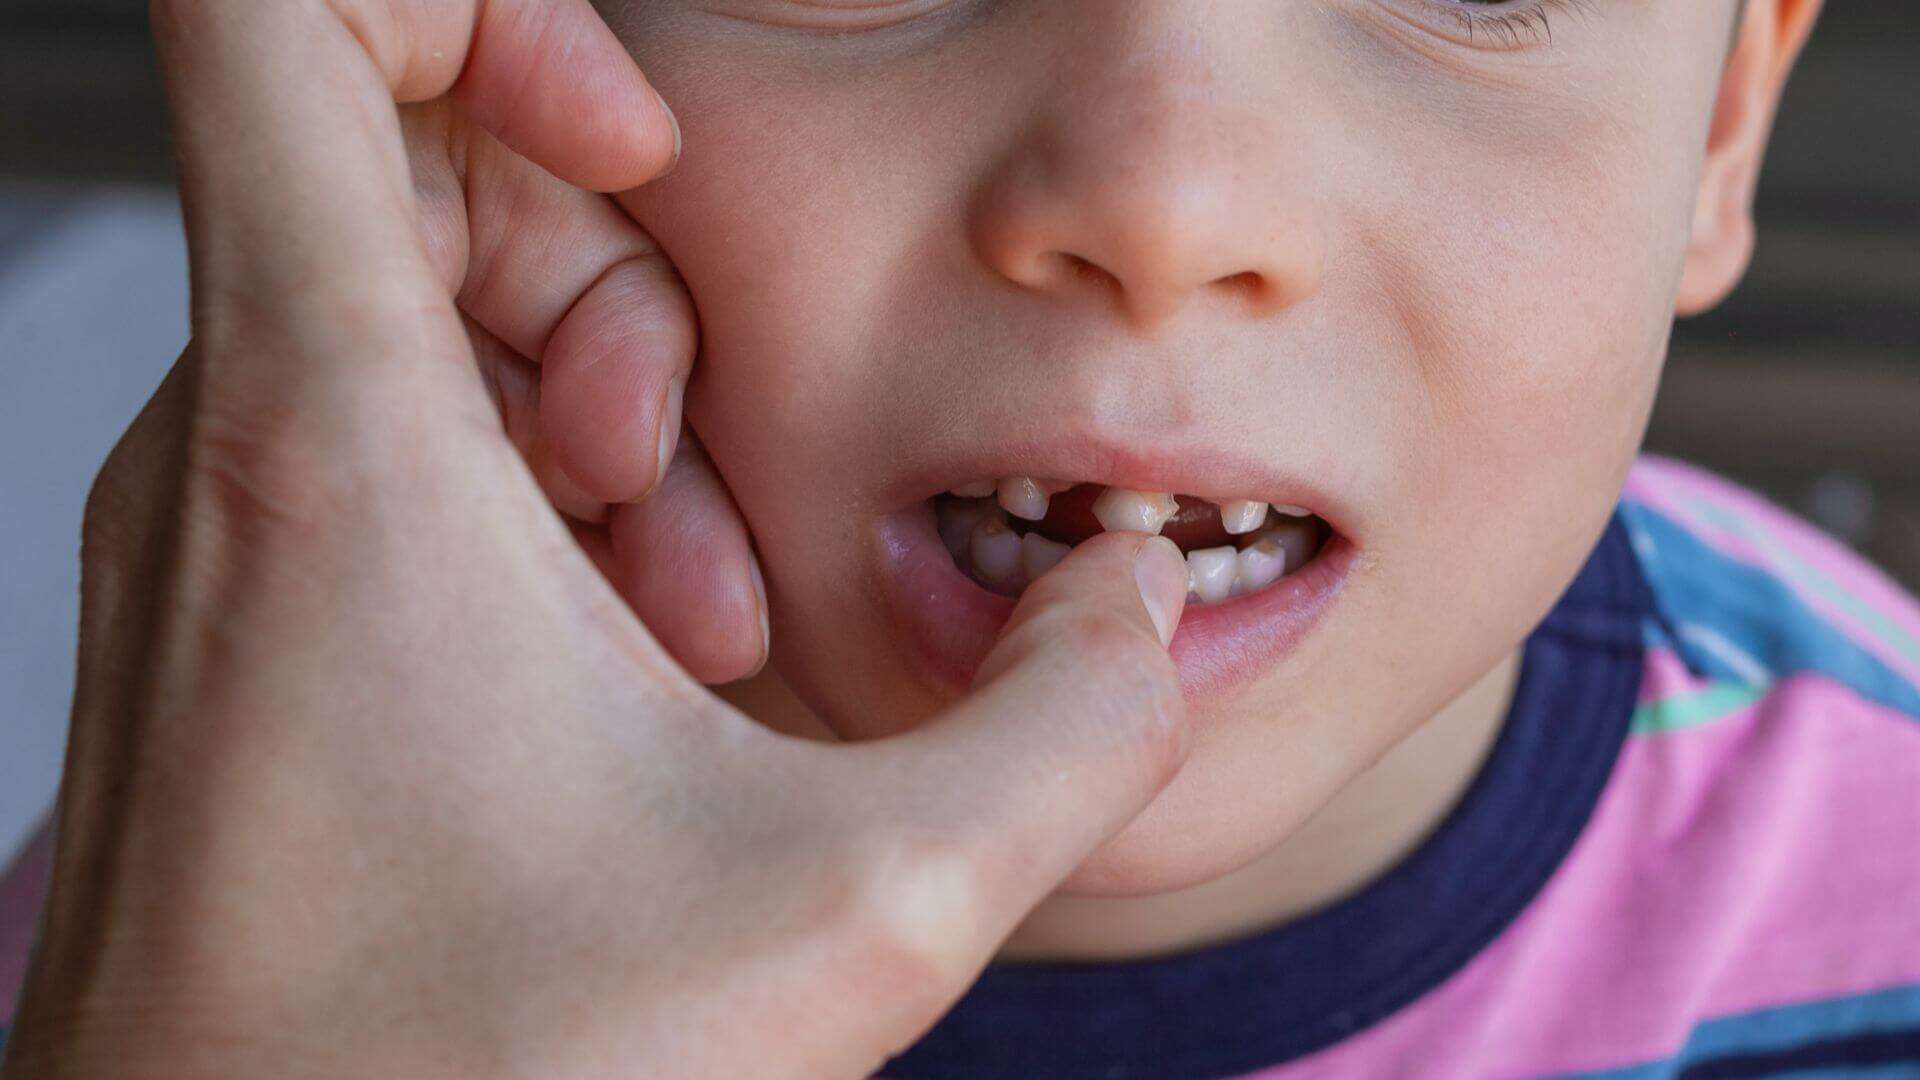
{"x":1525,"y":234}
{"x":819,"y":224}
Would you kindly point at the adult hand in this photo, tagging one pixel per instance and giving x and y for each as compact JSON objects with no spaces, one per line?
{"x":371,"y":773}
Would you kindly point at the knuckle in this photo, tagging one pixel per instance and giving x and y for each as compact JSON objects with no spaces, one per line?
{"x":906,"y":922}
{"x":651,"y":300}
{"x":375,"y":318}
{"x":262,"y":467}
{"x":265,"y":452}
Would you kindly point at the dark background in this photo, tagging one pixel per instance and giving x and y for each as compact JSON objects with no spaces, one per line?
{"x":1806,"y":384}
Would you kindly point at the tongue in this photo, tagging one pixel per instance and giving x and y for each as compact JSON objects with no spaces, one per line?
{"x":1070,"y":520}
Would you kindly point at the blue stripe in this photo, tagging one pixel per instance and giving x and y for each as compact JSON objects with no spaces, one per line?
{"x":1809,"y":578}
{"x":1895,"y":1070}
{"x":1732,"y":621}
{"x":1792,"y":1029}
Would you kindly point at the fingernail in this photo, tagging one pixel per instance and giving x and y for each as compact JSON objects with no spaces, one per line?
{"x":766,"y":620}
{"x":1161,"y":572}
{"x":669,"y":429}
{"x":675,"y":121}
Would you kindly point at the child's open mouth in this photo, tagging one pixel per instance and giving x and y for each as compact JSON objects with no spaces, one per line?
{"x":1262,"y":573}
{"x":1006,"y":533}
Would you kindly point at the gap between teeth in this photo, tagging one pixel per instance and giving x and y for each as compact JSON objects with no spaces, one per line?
{"x":978,"y":529}
{"x":1119,"y":509}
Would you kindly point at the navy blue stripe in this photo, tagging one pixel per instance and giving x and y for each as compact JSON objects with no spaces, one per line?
{"x":1880,"y":1048}
{"x":1281,"y":995}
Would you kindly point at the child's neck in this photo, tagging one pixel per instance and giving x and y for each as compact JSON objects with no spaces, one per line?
{"x":1368,"y":826}
{"x":1373,"y":822}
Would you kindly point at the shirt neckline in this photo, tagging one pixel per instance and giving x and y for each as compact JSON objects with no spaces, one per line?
{"x":1288,"y":992}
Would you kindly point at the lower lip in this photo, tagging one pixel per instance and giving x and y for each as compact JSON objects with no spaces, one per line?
{"x":953,"y":622}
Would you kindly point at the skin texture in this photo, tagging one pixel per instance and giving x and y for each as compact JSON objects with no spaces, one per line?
{"x":1466,"y":255}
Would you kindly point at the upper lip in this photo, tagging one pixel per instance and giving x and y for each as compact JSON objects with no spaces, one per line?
{"x":1200,"y":471}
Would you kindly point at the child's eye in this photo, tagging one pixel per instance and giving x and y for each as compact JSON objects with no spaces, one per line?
{"x":1504,"y":23}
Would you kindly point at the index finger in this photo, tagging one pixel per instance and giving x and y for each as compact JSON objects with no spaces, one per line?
{"x":294,"y":173}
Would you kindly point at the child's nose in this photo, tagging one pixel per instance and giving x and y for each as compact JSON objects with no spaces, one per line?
{"x":1150,"y":195}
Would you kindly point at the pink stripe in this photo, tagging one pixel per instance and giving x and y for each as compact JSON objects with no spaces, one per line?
{"x":1675,"y":489}
{"x":21,"y":890}
{"x":1764,"y":860}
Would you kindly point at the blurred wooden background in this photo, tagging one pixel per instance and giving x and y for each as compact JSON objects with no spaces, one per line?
{"x":1806,"y":384}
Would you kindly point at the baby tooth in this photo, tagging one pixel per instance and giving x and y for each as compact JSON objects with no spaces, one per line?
{"x":1024,"y":498}
{"x":1242,"y":516}
{"x":995,"y":549}
{"x":1259,"y":566}
{"x":1295,"y":538}
{"x":1210,"y":573}
{"x":979,"y":489}
{"x":1039,"y":554}
{"x":957,"y":520}
{"x":1291,"y":510}
{"x":1137,"y":511}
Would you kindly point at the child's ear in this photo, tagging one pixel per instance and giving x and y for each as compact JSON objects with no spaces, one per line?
{"x":1765,"y":45}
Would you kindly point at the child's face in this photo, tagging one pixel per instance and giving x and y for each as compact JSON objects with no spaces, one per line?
{"x":1335,"y":253}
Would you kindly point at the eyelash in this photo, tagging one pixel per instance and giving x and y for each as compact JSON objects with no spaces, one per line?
{"x":1531,"y":25}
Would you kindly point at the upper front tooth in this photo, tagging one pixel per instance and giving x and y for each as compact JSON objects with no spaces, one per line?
{"x":1120,"y":510}
{"x":1023,"y":497}
{"x":1039,"y":554}
{"x":1242,"y":515}
{"x":995,"y":549}
{"x":1210,"y":573}
{"x":979,"y":489}
{"x":1291,"y":510}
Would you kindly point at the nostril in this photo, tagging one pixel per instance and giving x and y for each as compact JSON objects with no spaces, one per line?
{"x":1246,"y":281}
{"x":1147,"y":298}
{"x":1078,"y":269}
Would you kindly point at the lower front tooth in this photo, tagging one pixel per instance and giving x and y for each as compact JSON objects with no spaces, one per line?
{"x":1210,"y":573}
{"x":1023,"y":497}
{"x":995,"y":549}
{"x":1120,"y":510}
{"x":1039,"y":555}
{"x":1259,"y":566}
{"x":957,"y":519}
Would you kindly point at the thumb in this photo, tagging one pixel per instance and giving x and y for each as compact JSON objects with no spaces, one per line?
{"x":1075,"y":724}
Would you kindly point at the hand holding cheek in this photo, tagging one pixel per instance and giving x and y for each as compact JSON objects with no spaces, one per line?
{"x":369,"y":768}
